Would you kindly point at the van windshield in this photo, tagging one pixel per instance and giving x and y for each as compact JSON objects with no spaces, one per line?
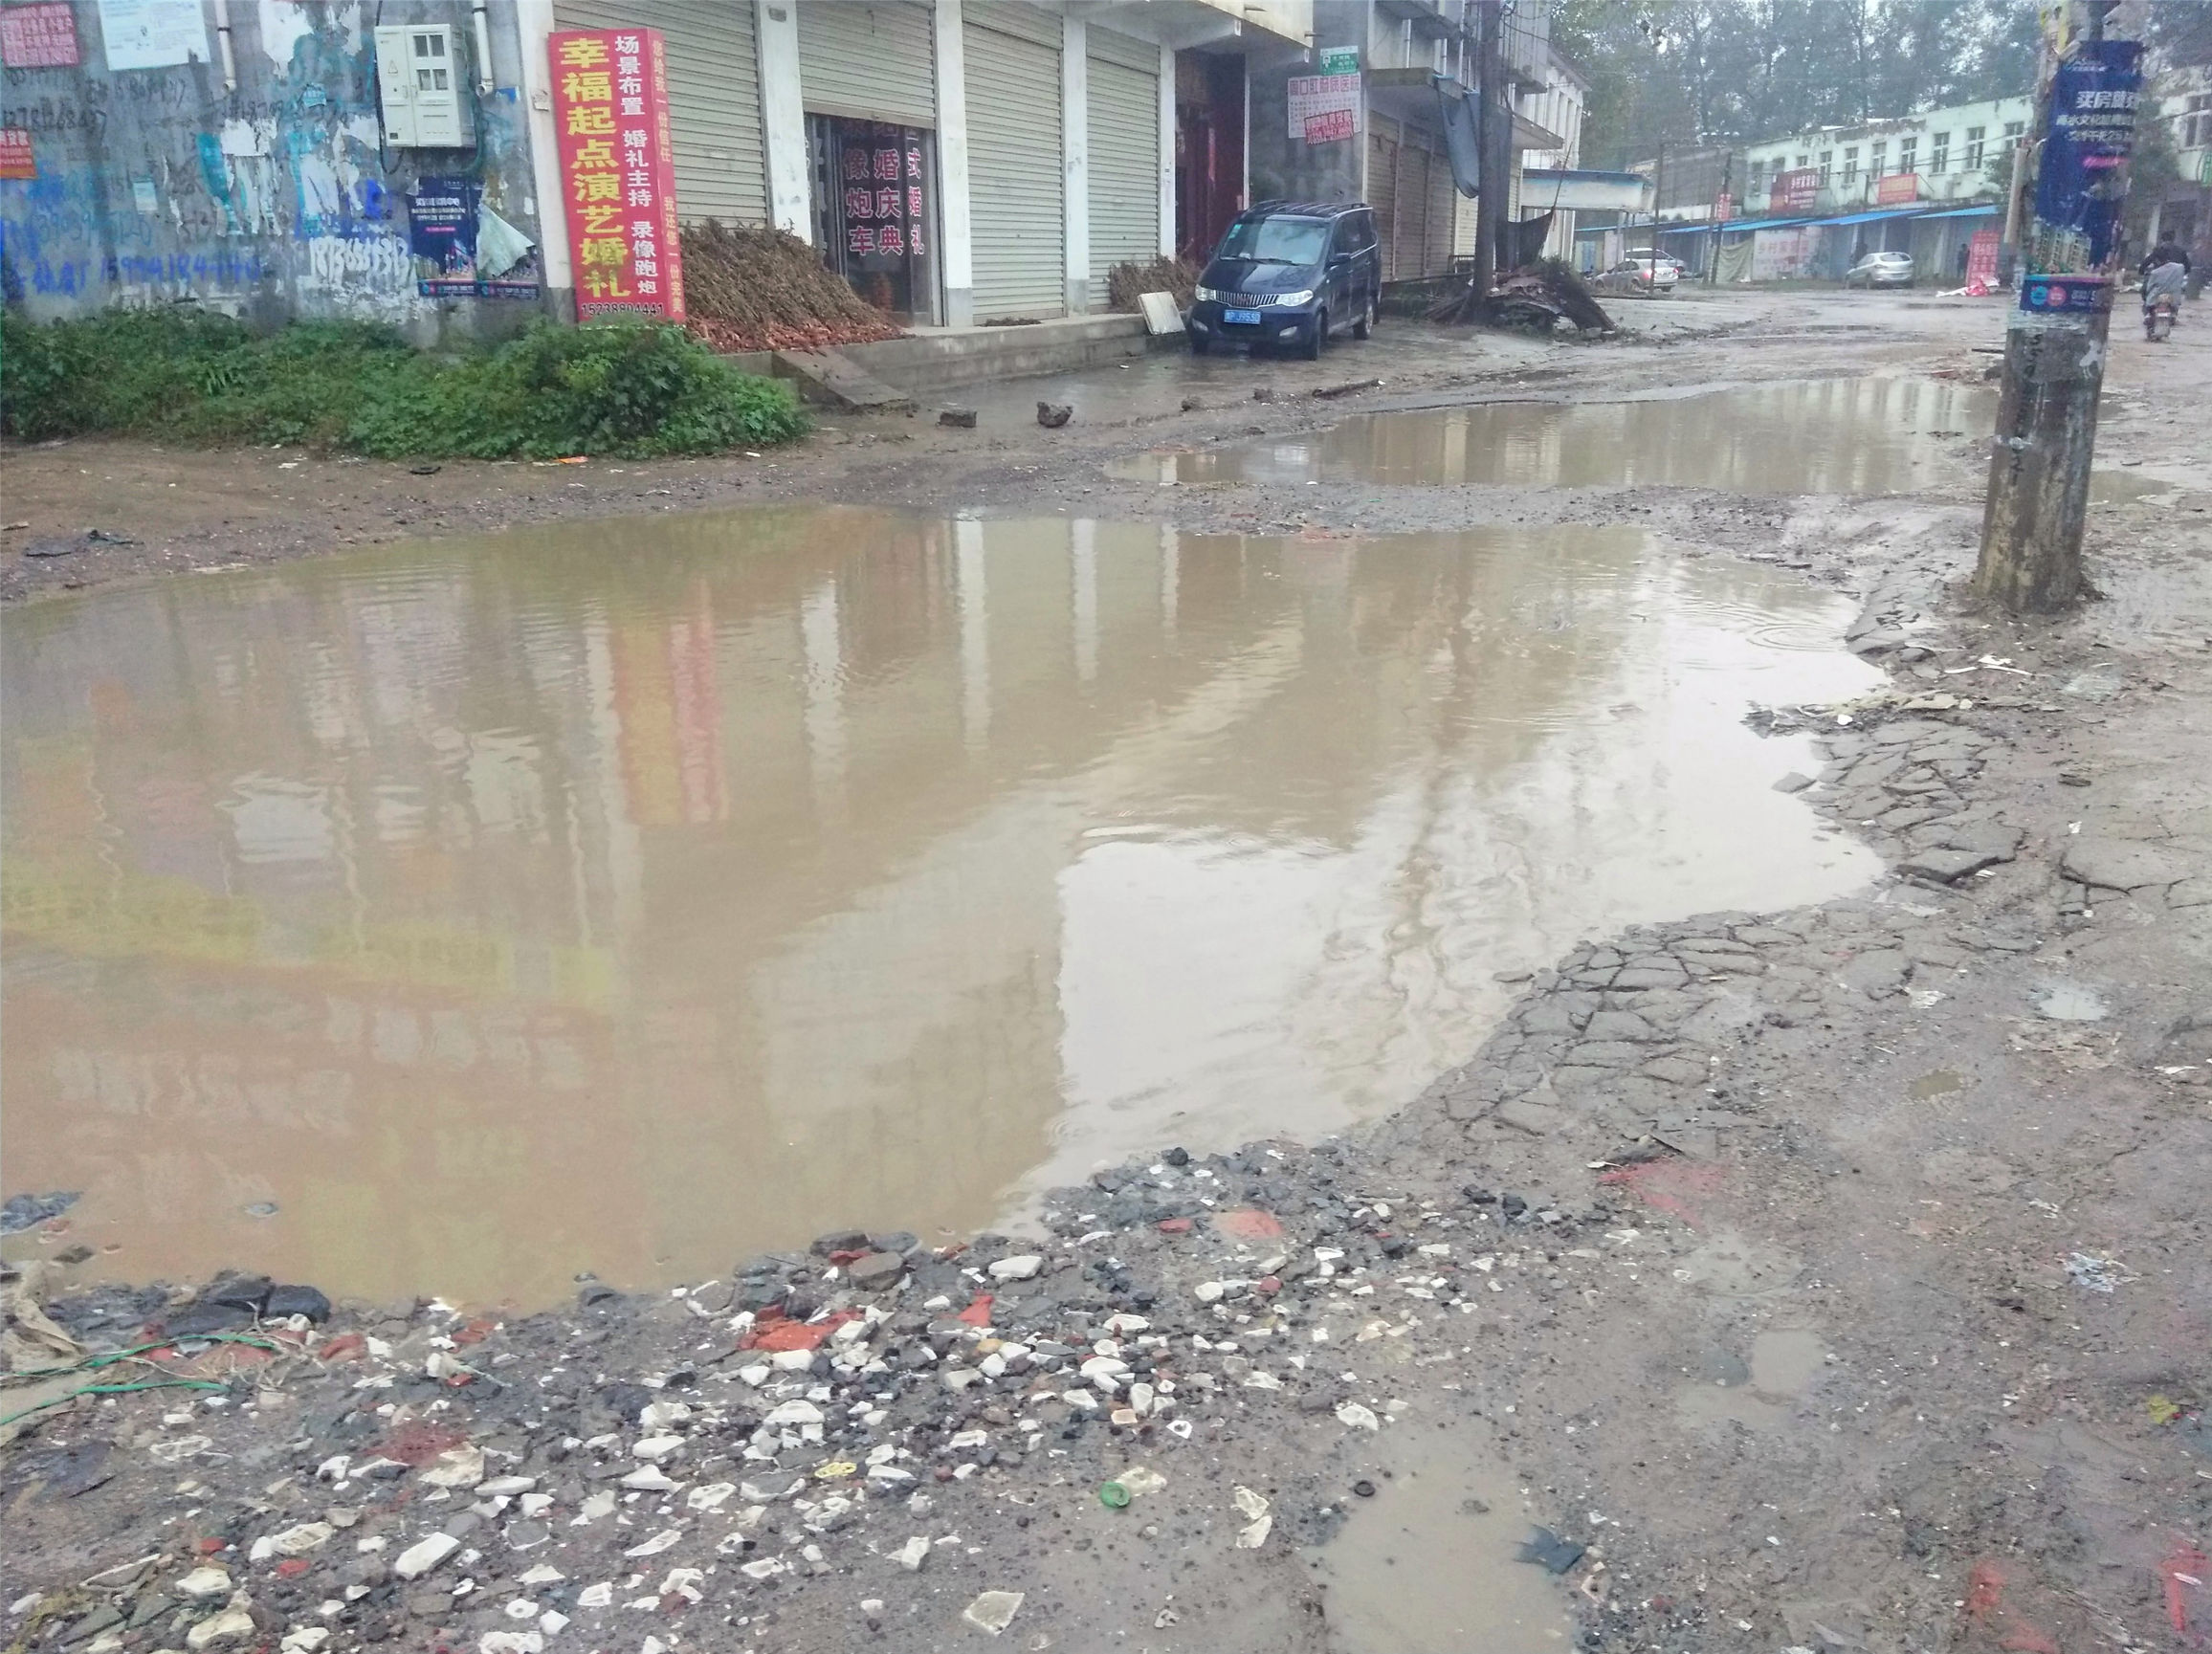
{"x":1276,"y":240}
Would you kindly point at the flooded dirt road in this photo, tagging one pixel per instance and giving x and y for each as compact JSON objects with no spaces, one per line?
{"x":628,"y":897}
{"x":1869,"y":435}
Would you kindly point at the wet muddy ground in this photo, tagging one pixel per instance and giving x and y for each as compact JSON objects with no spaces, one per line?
{"x":1825,"y":1276}
{"x":832,"y":853}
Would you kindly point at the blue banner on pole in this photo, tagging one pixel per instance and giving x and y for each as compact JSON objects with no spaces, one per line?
{"x":2080,"y":174}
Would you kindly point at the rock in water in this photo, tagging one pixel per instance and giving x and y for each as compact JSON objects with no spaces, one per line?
{"x":1052,"y":415}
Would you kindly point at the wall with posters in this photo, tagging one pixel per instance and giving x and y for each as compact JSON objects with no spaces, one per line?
{"x":1325,"y":160}
{"x":151,"y":182}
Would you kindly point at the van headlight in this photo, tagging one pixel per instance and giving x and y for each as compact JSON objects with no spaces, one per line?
{"x":1287,"y":299}
{"x":1208,"y":296}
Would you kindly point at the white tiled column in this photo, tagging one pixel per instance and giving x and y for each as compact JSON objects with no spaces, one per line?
{"x":956,"y":224}
{"x":784,"y":119}
{"x":533,"y":23}
{"x":1167,"y":152}
{"x":1075,"y":156}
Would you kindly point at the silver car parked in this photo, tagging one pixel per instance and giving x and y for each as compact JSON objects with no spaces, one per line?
{"x":1881,"y":270}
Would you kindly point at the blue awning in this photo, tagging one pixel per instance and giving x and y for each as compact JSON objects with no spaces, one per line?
{"x":1736,"y":226}
{"x":1984,"y":210}
{"x":1865,"y":217}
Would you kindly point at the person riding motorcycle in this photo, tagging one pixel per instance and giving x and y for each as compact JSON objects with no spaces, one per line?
{"x":2164,"y":280}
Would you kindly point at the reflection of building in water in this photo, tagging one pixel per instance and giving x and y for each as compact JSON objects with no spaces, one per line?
{"x":635,"y":895}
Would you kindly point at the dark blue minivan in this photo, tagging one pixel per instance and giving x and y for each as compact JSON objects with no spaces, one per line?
{"x":1286,"y":274}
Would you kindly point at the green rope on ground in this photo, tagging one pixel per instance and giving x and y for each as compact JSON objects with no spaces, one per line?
{"x":91,"y":1363}
{"x":114,"y":1389}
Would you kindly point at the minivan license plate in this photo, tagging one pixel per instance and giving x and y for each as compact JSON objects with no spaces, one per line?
{"x":1250,"y":317}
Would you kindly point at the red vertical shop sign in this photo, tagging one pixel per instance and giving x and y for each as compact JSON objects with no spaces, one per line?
{"x":610,"y":120}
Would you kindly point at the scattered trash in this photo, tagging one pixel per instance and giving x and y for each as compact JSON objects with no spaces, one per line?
{"x":1259,"y":1519}
{"x":993,"y":1611}
{"x":1350,"y":387}
{"x":1547,"y":1550}
{"x":28,"y":1211}
{"x":1114,"y":1495}
{"x":2097,"y":1274}
{"x":1363,"y":1487}
{"x":2163,"y":1409}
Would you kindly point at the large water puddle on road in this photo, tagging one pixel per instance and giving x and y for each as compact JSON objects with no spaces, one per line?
{"x":630,"y":897}
{"x":1797,"y":436}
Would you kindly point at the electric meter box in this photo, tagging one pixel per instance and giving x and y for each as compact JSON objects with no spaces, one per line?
{"x":419,"y":77}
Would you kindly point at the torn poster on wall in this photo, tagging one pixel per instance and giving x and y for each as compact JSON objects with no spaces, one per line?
{"x":153,"y":33}
{"x":461,"y":248}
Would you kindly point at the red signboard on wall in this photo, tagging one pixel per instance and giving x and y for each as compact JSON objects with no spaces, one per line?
{"x":40,"y":36}
{"x":1798,"y":191}
{"x":1898,"y":190}
{"x":611,"y":123}
{"x":1981,"y":259}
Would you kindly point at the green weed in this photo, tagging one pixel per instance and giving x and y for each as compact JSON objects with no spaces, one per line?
{"x":630,"y":390}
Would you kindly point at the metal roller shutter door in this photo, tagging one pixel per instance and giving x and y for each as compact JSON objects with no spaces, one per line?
{"x":1015,"y":186}
{"x":1382,"y":197}
{"x":714,"y":97}
{"x":1443,"y":214}
{"x":872,"y":62}
{"x":1123,"y":116}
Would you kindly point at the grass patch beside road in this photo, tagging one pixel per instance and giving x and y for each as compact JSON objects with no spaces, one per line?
{"x":634,"y":391}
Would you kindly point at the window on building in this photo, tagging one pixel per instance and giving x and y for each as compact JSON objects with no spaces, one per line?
{"x":1877,"y":158}
{"x":2014,"y":128}
{"x":1828,"y":156}
{"x":1851,"y":164}
{"x":2196,"y":125}
{"x":1974,"y":138}
{"x":1803,"y":162}
{"x":1939,"y":153}
{"x":1908,"y":154}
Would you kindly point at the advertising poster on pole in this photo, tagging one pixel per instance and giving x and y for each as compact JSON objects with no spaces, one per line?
{"x":617,"y":177}
{"x":2073,"y":233}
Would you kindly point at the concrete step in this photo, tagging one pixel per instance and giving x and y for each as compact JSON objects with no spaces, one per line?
{"x":833,"y":377}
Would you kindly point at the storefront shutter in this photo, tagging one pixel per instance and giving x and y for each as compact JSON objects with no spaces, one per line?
{"x":1382,"y":197}
{"x":1125,"y":127}
{"x":1015,"y":186}
{"x":874,"y":60}
{"x":714,"y":97}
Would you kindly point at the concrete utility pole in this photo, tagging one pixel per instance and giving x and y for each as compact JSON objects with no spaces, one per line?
{"x":2054,"y":350}
{"x":1493,"y":166}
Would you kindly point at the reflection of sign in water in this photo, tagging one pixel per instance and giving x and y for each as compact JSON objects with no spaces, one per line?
{"x":153,"y":33}
{"x":1315,"y":96}
{"x":611,"y":123}
{"x":40,"y":36}
{"x":1794,"y":191}
{"x":2081,"y":171}
{"x":16,"y":158}
{"x":1898,"y":190}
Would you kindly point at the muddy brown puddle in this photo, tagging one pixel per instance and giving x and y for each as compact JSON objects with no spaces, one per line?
{"x":631,"y":897}
{"x":1847,"y":436}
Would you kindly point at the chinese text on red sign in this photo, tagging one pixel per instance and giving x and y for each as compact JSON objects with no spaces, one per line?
{"x":610,"y":121}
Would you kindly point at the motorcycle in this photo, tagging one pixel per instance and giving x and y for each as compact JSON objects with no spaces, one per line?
{"x":2159,"y":319}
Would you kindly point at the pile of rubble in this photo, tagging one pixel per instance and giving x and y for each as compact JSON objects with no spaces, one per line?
{"x":629,"y":1468}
